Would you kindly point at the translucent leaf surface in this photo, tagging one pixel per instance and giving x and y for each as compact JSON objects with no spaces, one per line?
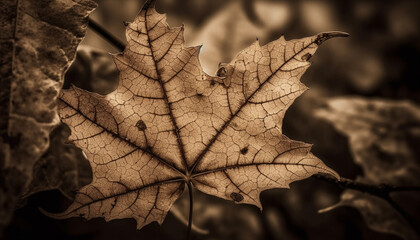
{"x":168,"y":123}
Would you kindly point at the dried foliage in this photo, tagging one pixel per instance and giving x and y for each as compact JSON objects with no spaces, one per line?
{"x":381,"y":135}
{"x":62,"y":167}
{"x":38,"y":42}
{"x":168,"y":123}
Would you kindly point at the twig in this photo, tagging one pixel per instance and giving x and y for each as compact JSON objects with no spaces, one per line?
{"x":190,"y":216}
{"x":381,"y":190}
{"x":106,"y":35}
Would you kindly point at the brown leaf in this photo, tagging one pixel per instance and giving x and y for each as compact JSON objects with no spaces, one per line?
{"x":62,"y":167}
{"x":382,"y":136}
{"x":38,"y":42}
{"x":168,"y":123}
{"x":378,"y":214}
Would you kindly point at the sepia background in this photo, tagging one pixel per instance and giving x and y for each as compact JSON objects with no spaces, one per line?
{"x":379,"y":62}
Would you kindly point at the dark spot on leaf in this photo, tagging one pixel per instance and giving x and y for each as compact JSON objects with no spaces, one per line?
{"x":237,"y":197}
{"x":306,"y":57}
{"x":141,"y":125}
{"x":244,"y":150}
{"x":199,"y":95}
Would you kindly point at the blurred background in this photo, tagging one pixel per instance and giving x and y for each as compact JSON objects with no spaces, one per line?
{"x":379,"y":61}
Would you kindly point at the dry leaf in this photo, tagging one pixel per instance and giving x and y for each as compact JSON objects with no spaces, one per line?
{"x":381,"y":135}
{"x":377,"y":213}
{"x":168,"y":123}
{"x":62,"y":167}
{"x":38,"y":42}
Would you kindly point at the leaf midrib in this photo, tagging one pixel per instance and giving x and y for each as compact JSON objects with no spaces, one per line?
{"x":256,"y":164}
{"x":165,"y":96}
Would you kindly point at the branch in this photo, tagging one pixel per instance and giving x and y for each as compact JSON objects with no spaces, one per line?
{"x":381,"y":190}
{"x":106,"y":35}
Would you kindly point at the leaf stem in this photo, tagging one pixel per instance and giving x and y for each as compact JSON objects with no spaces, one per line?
{"x":190,"y":216}
{"x":106,"y":35}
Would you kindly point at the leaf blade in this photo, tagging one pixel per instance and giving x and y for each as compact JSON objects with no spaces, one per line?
{"x":166,"y":112}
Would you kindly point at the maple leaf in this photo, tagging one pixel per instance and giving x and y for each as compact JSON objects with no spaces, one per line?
{"x":168,"y":123}
{"x":37,"y":44}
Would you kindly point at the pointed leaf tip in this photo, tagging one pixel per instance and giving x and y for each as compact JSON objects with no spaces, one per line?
{"x":322,"y":37}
